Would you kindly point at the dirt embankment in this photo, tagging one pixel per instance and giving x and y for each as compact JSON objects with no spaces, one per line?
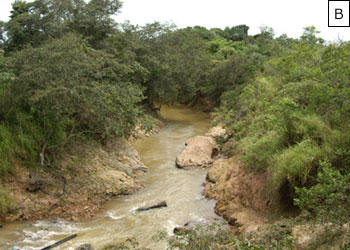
{"x":243,"y":197}
{"x":88,"y":176}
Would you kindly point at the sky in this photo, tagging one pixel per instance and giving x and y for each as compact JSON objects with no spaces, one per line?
{"x":285,"y":17}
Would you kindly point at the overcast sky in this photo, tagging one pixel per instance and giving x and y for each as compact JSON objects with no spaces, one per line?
{"x":287,"y":17}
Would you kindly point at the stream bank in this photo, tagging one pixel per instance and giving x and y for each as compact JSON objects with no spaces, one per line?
{"x":243,"y":197}
{"x":89,"y":176}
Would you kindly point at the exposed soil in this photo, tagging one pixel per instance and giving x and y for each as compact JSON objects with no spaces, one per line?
{"x":86,"y":179}
{"x":242,"y":197}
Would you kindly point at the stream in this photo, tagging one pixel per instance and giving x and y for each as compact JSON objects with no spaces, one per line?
{"x":181,"y":189}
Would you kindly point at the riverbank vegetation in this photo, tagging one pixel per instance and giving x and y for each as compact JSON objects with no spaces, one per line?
{"x":68,"y":72}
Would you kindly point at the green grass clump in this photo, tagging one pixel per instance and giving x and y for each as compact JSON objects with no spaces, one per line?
{"x":5,"y":202}
{"x":296,"y":163}
{"x":8,"y":148}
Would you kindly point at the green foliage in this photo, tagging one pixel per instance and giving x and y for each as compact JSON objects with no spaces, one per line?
{"x":228,"y":75}
{"x":236,"y":33}
{"x":206,"y":237}
{"x":293,"y":117}
{"x":8,"y":150}
{"x":334,"y":64}
{"x":32,"y":23}
{"x":296,"y":163}
{"x":203,"y":32}
{"x":214,"y":237}
{"x":5,"y":202}
{"x":175,"y":62}
{"x":69,"y":87}
{"x":339,"y":144}
{"x":329,"y":199}
{"x":259,"y":151}
{"x":274,"y":237}
{"x":310,"y":36}
{"x":299,"y":60}
{"x":60,"y":92}
{"x":128,"y":244}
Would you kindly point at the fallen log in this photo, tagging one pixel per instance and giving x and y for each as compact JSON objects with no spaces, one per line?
{"x":159,"y":205}
{"x":60,"y":242}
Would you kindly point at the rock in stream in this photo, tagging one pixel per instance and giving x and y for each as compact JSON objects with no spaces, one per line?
{"x":198,"y":153}
{"x":159,"y":205}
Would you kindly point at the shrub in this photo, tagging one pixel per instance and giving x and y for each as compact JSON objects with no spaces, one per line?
{"x":339,"y":147}
{"x":213,"y":237}
{"x":311,"y":126}
{"x":329,"y":199}
{"x":297,"y":163}
{"x":258,"y":151}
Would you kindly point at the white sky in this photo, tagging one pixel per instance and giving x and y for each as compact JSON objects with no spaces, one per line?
{"x":284,"y":16}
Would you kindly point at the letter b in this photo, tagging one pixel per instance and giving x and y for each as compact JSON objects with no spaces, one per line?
{"x":339,"y":14}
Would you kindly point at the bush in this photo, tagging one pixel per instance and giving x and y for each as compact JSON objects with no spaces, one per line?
{"x":61,"y":92}
{"x":228,"y":75}
{"x":329,"y":199}
{"x":213,"y":237}
{"x":258,"y":151}
{"x":70,"y":88}
{"x":297,"y":163}
{"x":339,"y":146}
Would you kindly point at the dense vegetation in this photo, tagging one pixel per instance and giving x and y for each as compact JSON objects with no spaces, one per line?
{"x":68,"y":72}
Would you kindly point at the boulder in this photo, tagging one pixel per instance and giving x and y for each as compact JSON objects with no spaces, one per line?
{"x":217,"y":132}
{"x":159,"y":205}
{"x":198,"y":153}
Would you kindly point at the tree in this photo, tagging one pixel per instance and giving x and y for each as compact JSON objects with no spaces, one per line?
{"x":35,"y":22}
{"x":203,"y":32}
{"x":72,"y":90}
{"x":229,"y":74}
{"x":94,"y":20}
{"x":310,"y":36}
{"x":236,"y":33}
{"x":175,"y":61}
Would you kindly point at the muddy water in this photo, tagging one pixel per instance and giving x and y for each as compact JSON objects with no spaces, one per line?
{"x":181,"y":189}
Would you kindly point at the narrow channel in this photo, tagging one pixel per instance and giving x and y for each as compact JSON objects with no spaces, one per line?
{"x":181,"y":189}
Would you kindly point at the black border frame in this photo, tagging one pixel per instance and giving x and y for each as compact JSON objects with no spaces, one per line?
{"x":328,"y":13}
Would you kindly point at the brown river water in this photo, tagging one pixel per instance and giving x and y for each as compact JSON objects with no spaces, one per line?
{"x":180,"y":188}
